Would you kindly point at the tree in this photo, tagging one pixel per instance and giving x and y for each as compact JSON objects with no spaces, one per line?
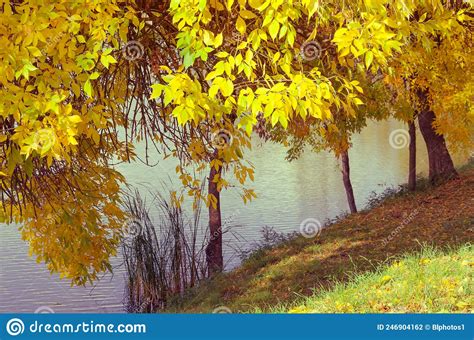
{"x":412,"y":157}
{"x":214,"y":255}
{"x":441,"y":166}
{"x":57,"y":133}
{"x":237,"y":85}
{"x":235,"y":67}
{"x":434,"y":41}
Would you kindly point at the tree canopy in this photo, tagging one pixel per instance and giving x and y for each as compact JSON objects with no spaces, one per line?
{"x":81,"y":81}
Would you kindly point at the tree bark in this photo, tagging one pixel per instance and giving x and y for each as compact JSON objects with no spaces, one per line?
{"x":214,"y":257}
{"x":412,"y":161}
{"x":440,"y":162}
{"x":346,"y":178}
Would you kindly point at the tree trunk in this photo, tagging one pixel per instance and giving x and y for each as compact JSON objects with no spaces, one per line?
{"x":346,"y":177}
{"x":215,"y":261}
{"x":440,"y":162}
{"x":412,"y":162}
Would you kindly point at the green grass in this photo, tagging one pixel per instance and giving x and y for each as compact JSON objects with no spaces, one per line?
{"x":426,"y":282}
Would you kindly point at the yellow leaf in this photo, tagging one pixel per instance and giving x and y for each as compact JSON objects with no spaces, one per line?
{"x":72,"y":140}
{"x":88,"y":88}
{"x":227,"y":88}
{"x":369,"y":56}
{"x":273,"y":29}
{"x":241,"y":26}
{"x":156,"y":91}
{"x":276,"y":57}
{"x":75,"y":119}
{"x":218,"y":40}
{"x":247,"y":14}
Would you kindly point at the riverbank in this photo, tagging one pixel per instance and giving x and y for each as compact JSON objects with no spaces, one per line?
{"x":284,"y":276}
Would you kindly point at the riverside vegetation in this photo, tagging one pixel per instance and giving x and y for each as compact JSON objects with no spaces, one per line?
{"x":358,"y":264}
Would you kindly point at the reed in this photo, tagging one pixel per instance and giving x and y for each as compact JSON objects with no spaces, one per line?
{"x":164,"y":252}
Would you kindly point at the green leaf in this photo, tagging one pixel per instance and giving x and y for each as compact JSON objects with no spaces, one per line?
{"x":188,"y":59}
{"x":94,"y":76}
{"x":88,"y":88}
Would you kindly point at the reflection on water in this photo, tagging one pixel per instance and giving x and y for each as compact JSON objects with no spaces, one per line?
{"x":288,"y":193}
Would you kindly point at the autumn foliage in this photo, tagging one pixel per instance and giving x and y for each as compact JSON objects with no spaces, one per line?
{"x":82,"y":81}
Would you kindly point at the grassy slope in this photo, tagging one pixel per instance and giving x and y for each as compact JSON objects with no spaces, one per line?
{"x":427,"y":282}
{"x":442,"y":217}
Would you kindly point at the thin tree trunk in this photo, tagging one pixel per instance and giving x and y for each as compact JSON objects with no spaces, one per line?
{"x":440,"y":162}
{"x":412,"y":162}
{"x":346,"y":178}
{"x":215,"y":261}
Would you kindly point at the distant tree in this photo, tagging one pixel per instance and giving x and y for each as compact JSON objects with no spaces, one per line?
{"x":434,"y":45}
